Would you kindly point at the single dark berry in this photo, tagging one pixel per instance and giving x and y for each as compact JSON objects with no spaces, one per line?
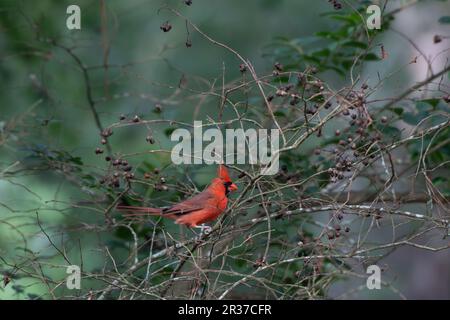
{"x":242,"y":67}
{"x":136,"y":119}
{"x":295,"y":100}
{"x":187,"y":2}
{"x":106,"y":133}
{"x":115,"y":182}
{"x":122,"y":117}
{"x":437,"y":38}
{"x":337,"y":133}
{"x":166,"y":26}
{"x":278,"y":66}
{"x":107,"y":158}
{"x":103,"y":141}
{"x":384,"y":119}
{"x":98,"y":151}
{"x":150,"y":139}
{"x":158,"y":108}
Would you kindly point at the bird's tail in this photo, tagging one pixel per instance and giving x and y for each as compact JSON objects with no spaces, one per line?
{"x":138,"y":212}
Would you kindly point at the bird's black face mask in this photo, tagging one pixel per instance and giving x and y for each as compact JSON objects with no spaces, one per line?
{"x":227,"y":187}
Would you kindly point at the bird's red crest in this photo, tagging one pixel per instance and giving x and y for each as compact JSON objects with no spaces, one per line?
{"x":223,"y":173}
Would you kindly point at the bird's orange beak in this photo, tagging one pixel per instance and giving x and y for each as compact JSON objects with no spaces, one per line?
{"x":233,"y":187}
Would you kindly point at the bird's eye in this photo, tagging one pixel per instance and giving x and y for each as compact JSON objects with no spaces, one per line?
{"x":227,"y":184}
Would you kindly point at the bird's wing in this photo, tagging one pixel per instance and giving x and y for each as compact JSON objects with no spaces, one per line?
{"x":196,"y":203}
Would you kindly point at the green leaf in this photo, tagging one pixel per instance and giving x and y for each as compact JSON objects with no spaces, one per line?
{"x":279,"y":114}
{"x":431,"y":102}
{"x":347,"y":64}
{"x":371,"y":57}
{"x":324,"y":34}
{"x":439,"y":181}
{"x":437,"y":157}
{"x":124,"y":233}
{"x":350,"y":19}
{"x":444,"y":19}
{"x":169,"y":131}
{"x":411,"y":118}
{"x":76,"y":160}
{"x":355,"y":44}
{"x":392,"y":131}
{"x":398,"y":111}
{"x":321,"y":53}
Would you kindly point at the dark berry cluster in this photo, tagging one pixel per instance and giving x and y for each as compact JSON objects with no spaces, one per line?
{"x":105,"y":134}
{"x":277,"y":68}
{"x":336,"y":4}
{"x":355,"y":142}
{"x":121,"y":170}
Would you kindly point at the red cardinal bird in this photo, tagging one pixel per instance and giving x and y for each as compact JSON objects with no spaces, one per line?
{"x":204,"y":207}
